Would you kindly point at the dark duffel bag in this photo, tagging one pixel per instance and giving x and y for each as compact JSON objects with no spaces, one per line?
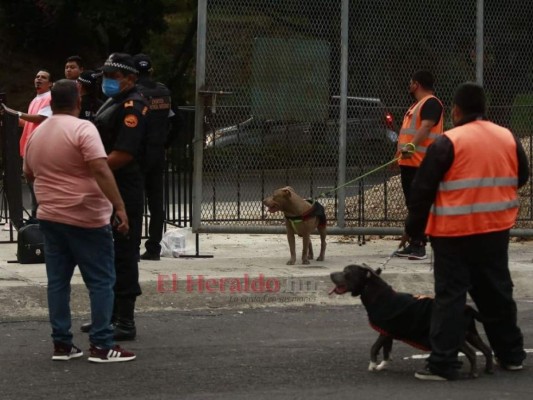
{"x":30,"y":246}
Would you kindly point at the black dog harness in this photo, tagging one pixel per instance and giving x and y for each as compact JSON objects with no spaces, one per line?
{"x":317,"y":210}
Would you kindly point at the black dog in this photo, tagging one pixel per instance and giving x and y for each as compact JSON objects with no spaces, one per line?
{"x":402,"y":316}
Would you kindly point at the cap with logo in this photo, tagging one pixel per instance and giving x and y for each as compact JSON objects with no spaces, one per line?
{"x":120,"y":62}
{"x":143,"y":63}
{"x":89,"y":77}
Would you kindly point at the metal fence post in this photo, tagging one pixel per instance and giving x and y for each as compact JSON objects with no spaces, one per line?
{"x":199,"y":115}
{"x":479,"y":42}
{"x":341,"y":193}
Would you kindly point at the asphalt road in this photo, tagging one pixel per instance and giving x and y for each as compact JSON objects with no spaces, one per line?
{"x":307,"y":352}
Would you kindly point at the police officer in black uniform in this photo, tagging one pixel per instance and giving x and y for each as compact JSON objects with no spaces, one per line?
{"x":159,"y":102}
{"x":90,"y":102}
{"x":122,"y":124}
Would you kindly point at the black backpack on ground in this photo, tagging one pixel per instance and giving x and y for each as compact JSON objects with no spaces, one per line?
{"x":30,"y":244}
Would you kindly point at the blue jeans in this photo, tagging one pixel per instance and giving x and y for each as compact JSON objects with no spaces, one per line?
{"x":66,"y":246}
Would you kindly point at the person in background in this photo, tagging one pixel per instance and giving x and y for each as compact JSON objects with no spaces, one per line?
{"x":73,"y":67}
{"x":467,"y":203}
{"x":76,"y":191}
{"x":422,"y":124}
{"x":159,"y":101}
{"x":38,"y":110}
{"x":90,"y":102}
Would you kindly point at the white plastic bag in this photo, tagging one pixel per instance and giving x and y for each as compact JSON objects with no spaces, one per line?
{"x":174,"y":242}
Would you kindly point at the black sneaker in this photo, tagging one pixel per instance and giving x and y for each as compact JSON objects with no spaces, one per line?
{"x":417,"y":253}
{"x":508,"y":366}
{"x":427,"y":375}
{"x":64,"y":352}
{"x":405,"y":252}
{"x":86,"y":327}
{"x":150,"y":256}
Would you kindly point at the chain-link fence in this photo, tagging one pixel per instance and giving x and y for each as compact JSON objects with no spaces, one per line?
{"x":311,"y":93}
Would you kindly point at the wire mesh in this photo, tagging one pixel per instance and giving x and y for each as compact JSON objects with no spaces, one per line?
{"x":276,"y":66}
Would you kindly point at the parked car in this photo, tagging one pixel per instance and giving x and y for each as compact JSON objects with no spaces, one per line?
{"x":370,"y":130}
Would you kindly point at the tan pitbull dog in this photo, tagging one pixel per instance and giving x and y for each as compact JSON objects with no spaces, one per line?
{"x":301,"y":217}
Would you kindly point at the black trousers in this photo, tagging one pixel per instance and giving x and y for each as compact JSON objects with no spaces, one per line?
{"x":154,"y":191}
{"x":407,"y":175}
{"x":477,"y":265}
{"x":127,"y":253}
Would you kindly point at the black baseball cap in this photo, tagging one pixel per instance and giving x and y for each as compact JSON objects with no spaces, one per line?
{"x":89,"y":77}
{"x":143,"y":63}
{"x":122,"y":62}
{"x":425,"y":78}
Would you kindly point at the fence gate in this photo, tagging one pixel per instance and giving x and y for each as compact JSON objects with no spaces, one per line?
{"x":311,"y":93}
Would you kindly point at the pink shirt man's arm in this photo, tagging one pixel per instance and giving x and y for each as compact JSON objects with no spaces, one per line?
{"x":106,"y":181}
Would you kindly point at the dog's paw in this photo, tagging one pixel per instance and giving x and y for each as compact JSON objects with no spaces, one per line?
{"x":305,"y":262}
{"x":372,"y":366}
{"x":320,"y":258}
{"x":291,"y":262}
{"x":382,"y":365}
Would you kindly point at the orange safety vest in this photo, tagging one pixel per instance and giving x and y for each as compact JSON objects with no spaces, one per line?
{"x":410,"y":126}
{"x":479,"y":192}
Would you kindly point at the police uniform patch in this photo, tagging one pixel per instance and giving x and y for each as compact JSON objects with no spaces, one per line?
{"x":131,"y":121}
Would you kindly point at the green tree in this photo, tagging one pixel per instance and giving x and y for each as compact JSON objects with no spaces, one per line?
{"x":100,"y":26}
{"x":173,"y":52}
{"x":42,"y":33}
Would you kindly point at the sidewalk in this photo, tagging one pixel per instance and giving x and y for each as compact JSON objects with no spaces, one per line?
{"x":245,"y":271}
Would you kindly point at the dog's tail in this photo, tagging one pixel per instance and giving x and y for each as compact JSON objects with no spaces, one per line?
{"x":476,"y":315}
{"x":473,"y":313}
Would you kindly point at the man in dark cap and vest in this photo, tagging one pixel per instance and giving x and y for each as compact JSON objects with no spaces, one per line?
{"x":159,"y":101}
{"x":422,"y":124}
{"x":122,"y":124}
{"x":465,"y":196}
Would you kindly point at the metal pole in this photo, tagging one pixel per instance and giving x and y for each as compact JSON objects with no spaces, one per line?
{"x":198,"y":144}
{"x":479,"y":42}
{"x":341,"y":194}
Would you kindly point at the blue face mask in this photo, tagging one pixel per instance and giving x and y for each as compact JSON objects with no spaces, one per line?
{"x":110,"y":87}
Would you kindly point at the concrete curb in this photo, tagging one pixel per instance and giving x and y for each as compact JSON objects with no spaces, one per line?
{"x":220,"y":282}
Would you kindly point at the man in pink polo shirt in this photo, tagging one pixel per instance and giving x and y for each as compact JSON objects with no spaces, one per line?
{"x":77,"y":193}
